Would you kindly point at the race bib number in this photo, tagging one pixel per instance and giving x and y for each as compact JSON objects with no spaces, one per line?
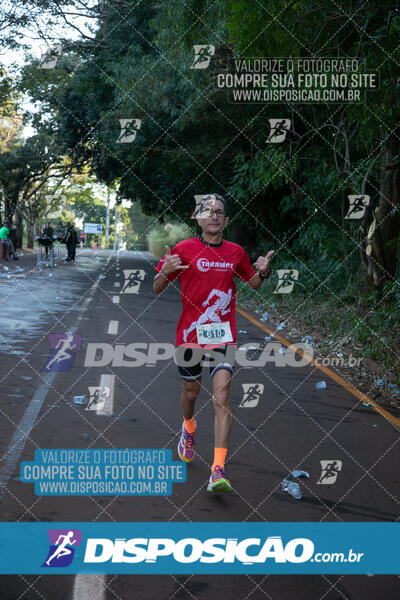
{"x":214,"y":333}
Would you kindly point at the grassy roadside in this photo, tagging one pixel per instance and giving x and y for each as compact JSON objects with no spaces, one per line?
{"x":341,"y":328}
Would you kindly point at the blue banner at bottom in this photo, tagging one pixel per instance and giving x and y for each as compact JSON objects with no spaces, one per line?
{"x":191,"y":548}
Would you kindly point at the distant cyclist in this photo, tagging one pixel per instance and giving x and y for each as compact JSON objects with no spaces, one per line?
{"x":206,"y":266}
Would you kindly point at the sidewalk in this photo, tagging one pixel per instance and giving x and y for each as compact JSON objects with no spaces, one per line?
{"x":27,"y":263}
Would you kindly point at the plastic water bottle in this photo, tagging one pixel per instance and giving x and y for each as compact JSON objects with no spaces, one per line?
{"x":292,"y":488}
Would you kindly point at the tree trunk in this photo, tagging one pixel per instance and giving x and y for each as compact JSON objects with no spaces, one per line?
{"x":19,"y":222}
{"x":31,"y":233}
{"x":381,"y":255}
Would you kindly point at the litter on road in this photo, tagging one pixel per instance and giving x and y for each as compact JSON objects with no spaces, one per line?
{"x":292,"y":488}
{"x":79,"y":399}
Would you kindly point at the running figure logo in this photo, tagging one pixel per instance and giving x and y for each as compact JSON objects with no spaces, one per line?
{"x":203,"y":54}
{"x":49,"y":57}
{"x":133,"y":277}
{"x":252,"y":393}
{"x":97,"y":397}
{"x":330,"y":470}
{"x":279,"y":129}
{"x":200,"y":199}
{"x":129,"y":129}
{"x":357,"y":207}
{"x":62,"y":351}
{"x":220,"y":306}
{"x":287,"y":278}
{"x":61,"y":551}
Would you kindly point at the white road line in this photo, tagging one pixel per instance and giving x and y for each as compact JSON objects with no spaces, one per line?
{"x":113,"y":328}
{"x":89,"y":586}
{"x":115,"y":299}
{"x":108,"y":408}
{"x":117,"y":284}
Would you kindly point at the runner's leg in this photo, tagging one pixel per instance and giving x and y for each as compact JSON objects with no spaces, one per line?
{"x":189,"y":367}
{"x":221,"y":374}
{"x":190,"y":392}
{"x":223,"y":414}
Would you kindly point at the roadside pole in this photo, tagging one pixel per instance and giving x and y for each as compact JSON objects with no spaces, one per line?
{"x":108,"y":218}
{"x":115,"y":227}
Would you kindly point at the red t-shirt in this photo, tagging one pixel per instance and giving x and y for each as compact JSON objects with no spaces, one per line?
{"x":208,"y":290}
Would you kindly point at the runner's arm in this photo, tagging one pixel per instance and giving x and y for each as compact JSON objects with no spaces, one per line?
{"x":263,"y":270}
{"x":160,"y":282}
{"x":168,"y":269}
{"x":256,"y":281}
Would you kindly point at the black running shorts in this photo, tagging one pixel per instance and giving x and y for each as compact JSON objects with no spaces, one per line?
{"x":190,"y":361}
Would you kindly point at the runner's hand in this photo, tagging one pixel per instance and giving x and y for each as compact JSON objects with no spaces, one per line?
{"x":172,"y":262}
{"x":262,"y":263}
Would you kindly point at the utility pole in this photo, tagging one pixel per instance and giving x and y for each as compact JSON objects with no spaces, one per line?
{"x":108,"y":218}
{"x":115,"y":226}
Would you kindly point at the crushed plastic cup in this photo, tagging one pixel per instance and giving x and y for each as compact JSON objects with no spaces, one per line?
{"x":79,"y":399}
{"x":320,"y":385}
{"x":292,"y":488}
{"x":307,"y":338}
{"x":299,"y":473}
{"x":264,"y":316}
{"x":268,"y":338}
{"x":330,"y":342}
{"x":281,"y":326}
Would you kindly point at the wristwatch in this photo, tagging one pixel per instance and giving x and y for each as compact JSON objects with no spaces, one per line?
{"x":262,"y":277}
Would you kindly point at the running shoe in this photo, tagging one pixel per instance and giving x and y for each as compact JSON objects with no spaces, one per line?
{"x":186,"y":445}
{"x":218,"y":482}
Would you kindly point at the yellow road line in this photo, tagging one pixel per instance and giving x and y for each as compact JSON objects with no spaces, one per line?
{"x":348,"y":386}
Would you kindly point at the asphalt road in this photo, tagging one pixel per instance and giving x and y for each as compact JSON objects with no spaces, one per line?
{"x":292,"y":426}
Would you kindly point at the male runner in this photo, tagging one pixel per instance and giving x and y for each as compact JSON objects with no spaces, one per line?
{"x":206,"y":266}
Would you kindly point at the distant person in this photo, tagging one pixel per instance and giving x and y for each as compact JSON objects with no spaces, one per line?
{"x":71,"y":241}
{"x":13,"y":242}
{"x":48,"y":237}
{"x":4,"y":233}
